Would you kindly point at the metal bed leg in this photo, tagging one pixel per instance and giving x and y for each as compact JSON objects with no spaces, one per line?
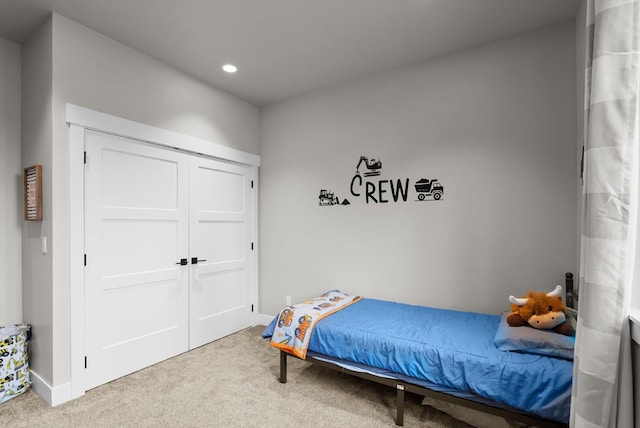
{"x":283,"y":367}
{"x":400,"y":405}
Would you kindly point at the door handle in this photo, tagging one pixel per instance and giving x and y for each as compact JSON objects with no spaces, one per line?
{"x":183,"y":262}
{"x":194,"y":260}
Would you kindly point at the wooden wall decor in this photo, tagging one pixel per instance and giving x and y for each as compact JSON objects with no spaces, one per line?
{"x":33,"y":193}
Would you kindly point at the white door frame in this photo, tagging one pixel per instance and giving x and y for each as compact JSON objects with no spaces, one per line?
{"x":81,"y":119}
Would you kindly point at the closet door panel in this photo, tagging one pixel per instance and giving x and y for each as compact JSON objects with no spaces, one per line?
{"x":136,"y":230}
{"x":219,"y":238}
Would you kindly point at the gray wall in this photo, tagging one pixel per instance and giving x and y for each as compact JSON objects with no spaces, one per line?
{"x":93,"y":71}
{"x":10,"y":185}
{"x":496,"y":125}
{"x":37,"y":149}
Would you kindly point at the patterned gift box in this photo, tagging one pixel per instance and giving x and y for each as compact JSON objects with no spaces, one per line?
{"x":14,"y":361}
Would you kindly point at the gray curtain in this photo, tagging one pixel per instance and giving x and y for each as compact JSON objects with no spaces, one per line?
{"x":602,"y":392}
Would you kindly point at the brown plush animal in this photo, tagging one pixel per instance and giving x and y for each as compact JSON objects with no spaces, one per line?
{"x":543,"y":311}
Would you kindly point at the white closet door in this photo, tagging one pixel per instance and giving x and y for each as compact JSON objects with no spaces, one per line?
{"x":136,"y":207}
{"x":219,"y":239}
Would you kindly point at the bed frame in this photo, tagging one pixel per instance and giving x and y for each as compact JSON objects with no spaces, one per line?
{"x":402,"y":386}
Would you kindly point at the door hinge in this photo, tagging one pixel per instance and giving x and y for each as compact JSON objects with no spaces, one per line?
{"x":252,"y":184}
{"x":85,"y":157}
{"x":251,"y":308}
{"x":85,"y":361}
{"x":85,"y":259}
{"x":252,"y":246}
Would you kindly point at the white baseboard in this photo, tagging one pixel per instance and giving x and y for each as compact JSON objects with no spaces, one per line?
{"x":264,"y":319}
{"x":52,"y":395}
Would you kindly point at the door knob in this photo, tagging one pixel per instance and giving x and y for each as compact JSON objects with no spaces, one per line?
{"x":194,"y":260}
{"x":183,"y":262}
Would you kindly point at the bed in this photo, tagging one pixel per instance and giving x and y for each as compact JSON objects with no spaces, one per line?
{"x":442,"y":354}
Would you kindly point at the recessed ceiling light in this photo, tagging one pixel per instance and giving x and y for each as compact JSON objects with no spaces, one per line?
{"x":230,"y":68}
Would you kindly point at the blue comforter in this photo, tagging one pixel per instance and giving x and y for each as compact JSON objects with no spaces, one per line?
{"x":454,"y":350}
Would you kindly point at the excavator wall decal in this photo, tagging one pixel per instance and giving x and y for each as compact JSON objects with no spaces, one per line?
{"x":383,"y":191}
{"x":374,"y":166}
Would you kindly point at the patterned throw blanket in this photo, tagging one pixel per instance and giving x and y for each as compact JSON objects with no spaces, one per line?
{"x":293,"y":329}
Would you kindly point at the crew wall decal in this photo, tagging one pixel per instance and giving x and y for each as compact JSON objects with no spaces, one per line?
{"x":378,"y":191}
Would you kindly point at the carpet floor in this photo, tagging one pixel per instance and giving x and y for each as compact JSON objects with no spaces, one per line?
{"x":232,"y":382}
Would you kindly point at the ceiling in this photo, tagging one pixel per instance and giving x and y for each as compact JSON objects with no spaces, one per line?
{"x":284,"y":48}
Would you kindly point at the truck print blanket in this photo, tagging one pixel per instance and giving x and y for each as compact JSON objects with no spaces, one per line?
{"x":295,"y":323}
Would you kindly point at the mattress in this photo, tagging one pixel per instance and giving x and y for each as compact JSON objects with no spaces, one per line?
{"x":445,"y":350}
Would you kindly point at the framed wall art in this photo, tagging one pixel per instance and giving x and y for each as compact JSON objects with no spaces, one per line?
{"x":33,"y":193}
